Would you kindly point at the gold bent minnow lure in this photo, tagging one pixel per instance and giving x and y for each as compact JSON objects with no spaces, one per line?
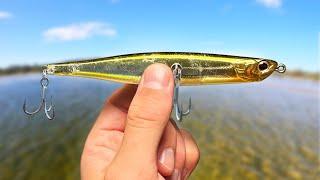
{"x":196,"y":68}
{"x":188,"y":69}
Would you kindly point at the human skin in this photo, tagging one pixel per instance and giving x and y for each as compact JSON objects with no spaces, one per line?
{"x":134,"y":137}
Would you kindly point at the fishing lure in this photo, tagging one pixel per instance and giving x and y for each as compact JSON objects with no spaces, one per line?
{"x":188,"y":69}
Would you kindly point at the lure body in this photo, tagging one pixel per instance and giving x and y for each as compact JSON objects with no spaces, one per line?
{"x":197,"y":68}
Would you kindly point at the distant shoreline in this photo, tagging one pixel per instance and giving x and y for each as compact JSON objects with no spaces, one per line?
{"x":301,"y":75}
{"x":15,"y":70}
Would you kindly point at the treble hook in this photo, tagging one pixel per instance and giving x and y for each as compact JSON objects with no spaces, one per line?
{"x":176,"y":69}
{"x":44,"y":82}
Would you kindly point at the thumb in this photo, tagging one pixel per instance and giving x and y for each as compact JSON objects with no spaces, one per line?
{"x":148,"y":115}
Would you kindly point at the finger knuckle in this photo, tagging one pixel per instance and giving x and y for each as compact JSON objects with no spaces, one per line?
{"x":194,"y":151}
{"x":142,"y":118}
{"x":196,"y":154}
{"x":149,"y":110}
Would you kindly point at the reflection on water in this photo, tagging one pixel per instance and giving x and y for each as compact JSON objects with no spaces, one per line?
{"x":256,"y":130}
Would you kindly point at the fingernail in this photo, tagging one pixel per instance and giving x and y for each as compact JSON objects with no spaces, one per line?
{"x":167,"y":158}
{"x":176,"y":175}
{"x":155,"y":77}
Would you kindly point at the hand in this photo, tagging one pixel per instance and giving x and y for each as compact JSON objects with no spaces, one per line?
{"x":133,"y":137}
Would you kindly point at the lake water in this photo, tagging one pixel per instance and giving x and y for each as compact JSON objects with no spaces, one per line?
{"x":247,"y":131}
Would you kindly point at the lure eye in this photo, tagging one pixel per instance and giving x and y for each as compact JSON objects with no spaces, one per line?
{"x":263,"y":65}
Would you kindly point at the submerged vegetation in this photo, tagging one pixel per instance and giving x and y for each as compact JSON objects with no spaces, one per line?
{"x":265,"y":130}
{"x":230,"y":150}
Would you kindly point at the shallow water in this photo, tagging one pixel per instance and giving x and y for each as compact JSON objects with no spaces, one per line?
{"x":253,"y":131}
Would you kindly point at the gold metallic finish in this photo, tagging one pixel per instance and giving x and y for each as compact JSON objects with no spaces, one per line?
{"x":197,"y":68}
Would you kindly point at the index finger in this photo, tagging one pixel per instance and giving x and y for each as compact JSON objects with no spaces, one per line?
{"x":114,"y":112}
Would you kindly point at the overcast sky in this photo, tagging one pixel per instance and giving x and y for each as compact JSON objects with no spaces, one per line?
{"x":39,"y":32}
